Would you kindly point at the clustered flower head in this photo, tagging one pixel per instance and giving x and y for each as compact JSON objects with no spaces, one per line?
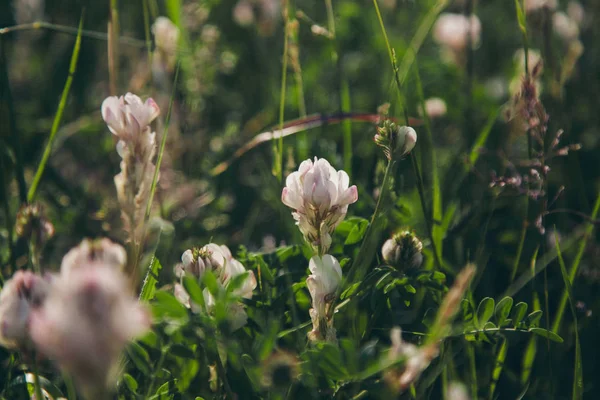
{"x":456,"y":33}
{"x":129,"y":119}
{"x":396,"y":141}
{"x":319,"y":196}
{"x":81,"y":318}
{"x":218,"y":260}
{"x":325,"y":278}
{"x":403,"y":250}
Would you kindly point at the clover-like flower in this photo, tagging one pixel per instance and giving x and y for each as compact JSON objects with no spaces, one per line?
{"x":221,"y":262}
{"x":87,"y":319}
{"x":20,"y":295}
{"x":325,"y":278}
{"x":127,"y":116}
{"x":456,"y":33}
{"x":320,"y":196}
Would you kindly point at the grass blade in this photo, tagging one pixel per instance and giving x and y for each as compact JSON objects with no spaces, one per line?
{"x":58,"y":117}
{"x":578,"y":372}
{"x":575,"y":267}
{"x":500,"y":358}
{"x":150,"y":281}
{"x":163,"y":142}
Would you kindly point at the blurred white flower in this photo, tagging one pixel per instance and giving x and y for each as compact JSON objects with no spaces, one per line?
{"x":325,"y":278}
{"x":243,"y":13}
{"x":20,"y":295}
{"x":457,"y":391}
{"x":435,"y":107}
{"x":576,"y":12}
{"x":565,"y":27}
{"x":534,"y":5}
{"x":87,"y":319}
{"x":166,"y":35}
{"x":320,"y":196}
{"x":101,"y":252}
{"x":454,"y":30}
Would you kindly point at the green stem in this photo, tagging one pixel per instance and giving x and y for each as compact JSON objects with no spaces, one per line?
{"x":147,"y":32}
{"x":58,"y":117}
{"x":330,"y":19}
{"x":278,"y":166}
{"x":367,"y":248}
{"x":71,"y":392}
{"x":575,"y":267}
{"x":36,"y":380}
{"x":472,"y":370}
{"x":428,"y":222}
{"x":158,"y":366}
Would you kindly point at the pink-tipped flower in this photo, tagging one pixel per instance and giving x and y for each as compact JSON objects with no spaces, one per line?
{"x":86,"y":321}
{"x":20,"y":295}
{"x":325,"y":278}
{"x":100,"y":252}
{"x":320,"y":196}
{"x":127,"y":116}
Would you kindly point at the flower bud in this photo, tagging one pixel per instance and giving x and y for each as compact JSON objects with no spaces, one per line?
{"x":403,"y":251}
{"x":396,"y":141}
{"x":32,"y":224}
{"x":325,"y":278}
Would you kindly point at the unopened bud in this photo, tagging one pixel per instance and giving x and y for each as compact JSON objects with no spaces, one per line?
{"x":396,"y":141}
{"x":403,"y":251}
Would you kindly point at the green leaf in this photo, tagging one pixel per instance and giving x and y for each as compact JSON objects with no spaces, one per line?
{"x":194,"y":291}
{"x":150,"y":281}
{"x":330,"y":362}
{"x":467,"y":310}
{"x":237,"y":282}
{"x":165,"y":305}
{"x":521,"y":19}
{"x":182,"y":351}
{"x":357,"y":232}
{"x":210,"y":281}
{"x":503,"y":310}
{"x":130,"y":382}
{"x":498,"y":366}
{"x":533,"y":319}
{"x":140,"y":357}
{"x":485,"y":310}
{"x":518,"y":313}
{"x":547,"y":334}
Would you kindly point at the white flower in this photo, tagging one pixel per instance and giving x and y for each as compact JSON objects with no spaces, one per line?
{"x":326,"y":275}
{"x":127,"y":116}
{"x":212,"y":257}
{"x":566,"y":28}
{"x":320,"y":196}
{"x":220,"y":261}
{"x":86,"y":321}
{"x":19,"y":296}
{"x":435,"y":107}
{"x":457,"y":391}
{"x":453,"y":31}
{"x":166,"y":35}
